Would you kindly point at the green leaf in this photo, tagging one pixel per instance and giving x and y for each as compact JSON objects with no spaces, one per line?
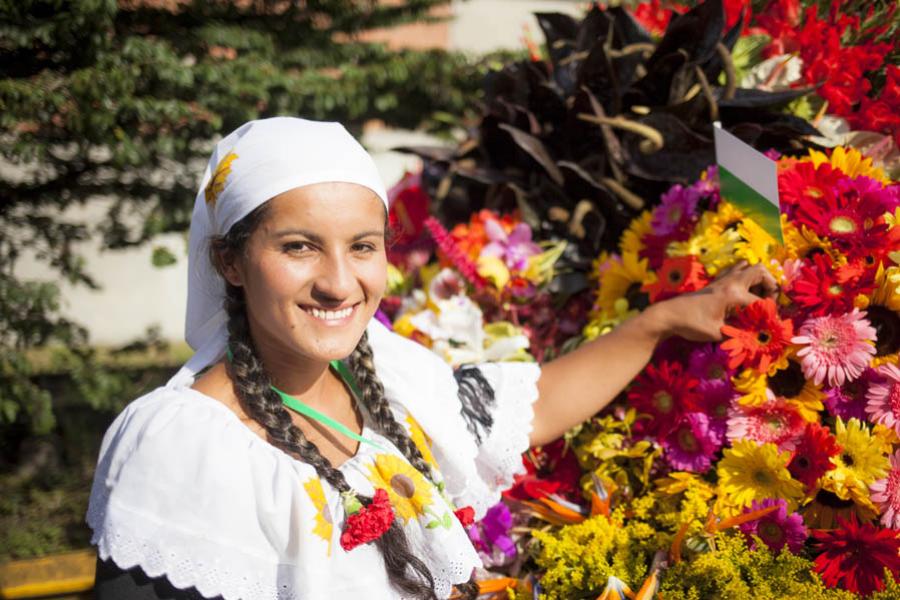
{"x":162,"y":257}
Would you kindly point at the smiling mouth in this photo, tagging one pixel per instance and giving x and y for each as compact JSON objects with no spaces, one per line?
{"x":329,"y":315}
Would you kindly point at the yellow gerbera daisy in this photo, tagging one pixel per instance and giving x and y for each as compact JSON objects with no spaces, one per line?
{"x":850,"y":161}
{"x":623,"y":278}
{"x":800,"y":241}
{"x":632,"y":238}
{"x":887,"y":290}
{"x":788,"y":382}
{"x":422,"y":441}
{"x":825,"y":507}
{"x":752,"y":387}
{"x":409,"y":491}
{"x":324,"y":528}
{"x":749,"y":471}
{"x":217,"y":181}
{"x":756,"y":245}
{"x":862,"y":461}
{"x":714,"y":249}
{"x":726,"y":217}
{"x":892,"y":359}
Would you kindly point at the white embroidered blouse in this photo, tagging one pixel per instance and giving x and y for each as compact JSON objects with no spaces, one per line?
{"x":184,"y":489}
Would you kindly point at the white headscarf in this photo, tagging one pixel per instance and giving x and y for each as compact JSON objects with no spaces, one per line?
{"x":254,"y":163}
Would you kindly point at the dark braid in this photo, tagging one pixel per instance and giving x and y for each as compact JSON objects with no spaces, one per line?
{"x":253,"y":387}
{"x":363,"y":367}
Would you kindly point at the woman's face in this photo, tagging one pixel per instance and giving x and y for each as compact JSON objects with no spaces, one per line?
{"x":314,"y":271}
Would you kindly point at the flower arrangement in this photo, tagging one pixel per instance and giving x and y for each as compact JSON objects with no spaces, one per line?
{"x":768,"y":463}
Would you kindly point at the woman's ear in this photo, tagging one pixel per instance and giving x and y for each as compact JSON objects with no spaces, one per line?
{"x":228,"y":266}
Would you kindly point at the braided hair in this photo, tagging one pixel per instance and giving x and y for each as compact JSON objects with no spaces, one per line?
{"x":252,"y":384}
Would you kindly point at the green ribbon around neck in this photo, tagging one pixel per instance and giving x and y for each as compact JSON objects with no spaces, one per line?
{"x":308,"y":411}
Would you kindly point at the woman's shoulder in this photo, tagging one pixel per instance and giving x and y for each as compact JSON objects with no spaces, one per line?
{"x":182,"y":487}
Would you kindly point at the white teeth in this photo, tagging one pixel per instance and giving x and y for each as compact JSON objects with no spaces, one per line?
{"x":330,"y":315}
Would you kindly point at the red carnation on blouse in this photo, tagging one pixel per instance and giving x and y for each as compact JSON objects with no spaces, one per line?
{"x":466,"y":515}
{"x":369,"y":522}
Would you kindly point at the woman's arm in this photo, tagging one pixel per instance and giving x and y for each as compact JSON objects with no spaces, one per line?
{"x":575,"y":386}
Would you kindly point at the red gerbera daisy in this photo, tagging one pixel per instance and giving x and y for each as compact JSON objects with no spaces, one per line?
{"x":758,"y":337}
{"x":825,"y":288}
{"x":664,"y":393}
{"x":855,"y":556}
{"x":812,"y":456}
{"x":804,"y":183}
{"x":850,"y":217}
{"x":676,"y":276}
{"x":655,"y":246}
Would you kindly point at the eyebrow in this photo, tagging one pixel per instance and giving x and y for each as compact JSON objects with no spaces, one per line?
{"x":318,"y":239}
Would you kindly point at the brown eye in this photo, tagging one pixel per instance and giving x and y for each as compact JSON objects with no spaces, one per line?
{"x":296,"y":246}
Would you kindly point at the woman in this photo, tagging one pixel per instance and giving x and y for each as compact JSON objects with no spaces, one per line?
{"x":305,"y":451}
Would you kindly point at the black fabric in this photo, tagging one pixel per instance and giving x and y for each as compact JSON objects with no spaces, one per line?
{"x":477,"y":398}
{"x":113,"y":583}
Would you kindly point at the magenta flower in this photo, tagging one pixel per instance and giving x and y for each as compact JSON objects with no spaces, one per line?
{"x":886,"y":494}
{"x":676,"y":210}
{"x":883,"y":397}
{"x":710,"y":363}
{"x":491,"y":536}
{"x":691,"y":444}
{"x":514,"y":248}
{"x":716,"y":399}
{"x":848,"y":401}
{"x":776,"y":529}
{"x":836,"y":348}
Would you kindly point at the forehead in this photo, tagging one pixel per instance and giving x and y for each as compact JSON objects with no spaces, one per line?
{"x":327,"y":205}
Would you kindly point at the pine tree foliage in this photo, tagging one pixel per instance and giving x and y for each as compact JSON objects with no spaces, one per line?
{"x":120,"y":100}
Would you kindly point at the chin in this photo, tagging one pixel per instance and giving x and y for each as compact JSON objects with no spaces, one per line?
{"x":336,"y":346}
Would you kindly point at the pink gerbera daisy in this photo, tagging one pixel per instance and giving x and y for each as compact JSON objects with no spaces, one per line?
{"x":775,"y":421}
{"x":676,"y":210}
{"x":883,"y":397}
{"x":691,"y":443}
{"x":663,"y":392}
{"x":886,"y":494}
{"x":776,"y":529}
{"x":836,"y":348}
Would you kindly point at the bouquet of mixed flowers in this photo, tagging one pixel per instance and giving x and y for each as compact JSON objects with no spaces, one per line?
{"x":768,"y":463}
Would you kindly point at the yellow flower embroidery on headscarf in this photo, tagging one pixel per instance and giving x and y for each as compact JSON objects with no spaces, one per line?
{"x":217,"y":181}
{"x":422,"y":441}
{"x":409,"y":491}
{"x":324,"y":526}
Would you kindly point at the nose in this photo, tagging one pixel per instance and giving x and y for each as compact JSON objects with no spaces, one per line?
{"x":336,"y":280}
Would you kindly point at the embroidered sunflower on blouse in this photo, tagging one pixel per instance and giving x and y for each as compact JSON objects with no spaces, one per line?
{"x":324,"y":526}
{"x":217,"y":181}
{"x":422,"y":441}
{"x":409,"y":491}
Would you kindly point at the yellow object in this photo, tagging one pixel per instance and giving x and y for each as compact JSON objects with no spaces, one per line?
{"x":68,"y":573}
{"x":494,"y":270}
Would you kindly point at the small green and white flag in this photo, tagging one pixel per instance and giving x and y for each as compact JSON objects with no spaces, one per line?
{"x":749,"y":180}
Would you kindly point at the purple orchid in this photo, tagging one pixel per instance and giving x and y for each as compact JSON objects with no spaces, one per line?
{"x":514,"y":248}
{"x":491,"y":535}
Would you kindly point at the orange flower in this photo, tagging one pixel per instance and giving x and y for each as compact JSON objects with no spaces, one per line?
{"x":758,"y":337}
{"x":676,"y":276}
